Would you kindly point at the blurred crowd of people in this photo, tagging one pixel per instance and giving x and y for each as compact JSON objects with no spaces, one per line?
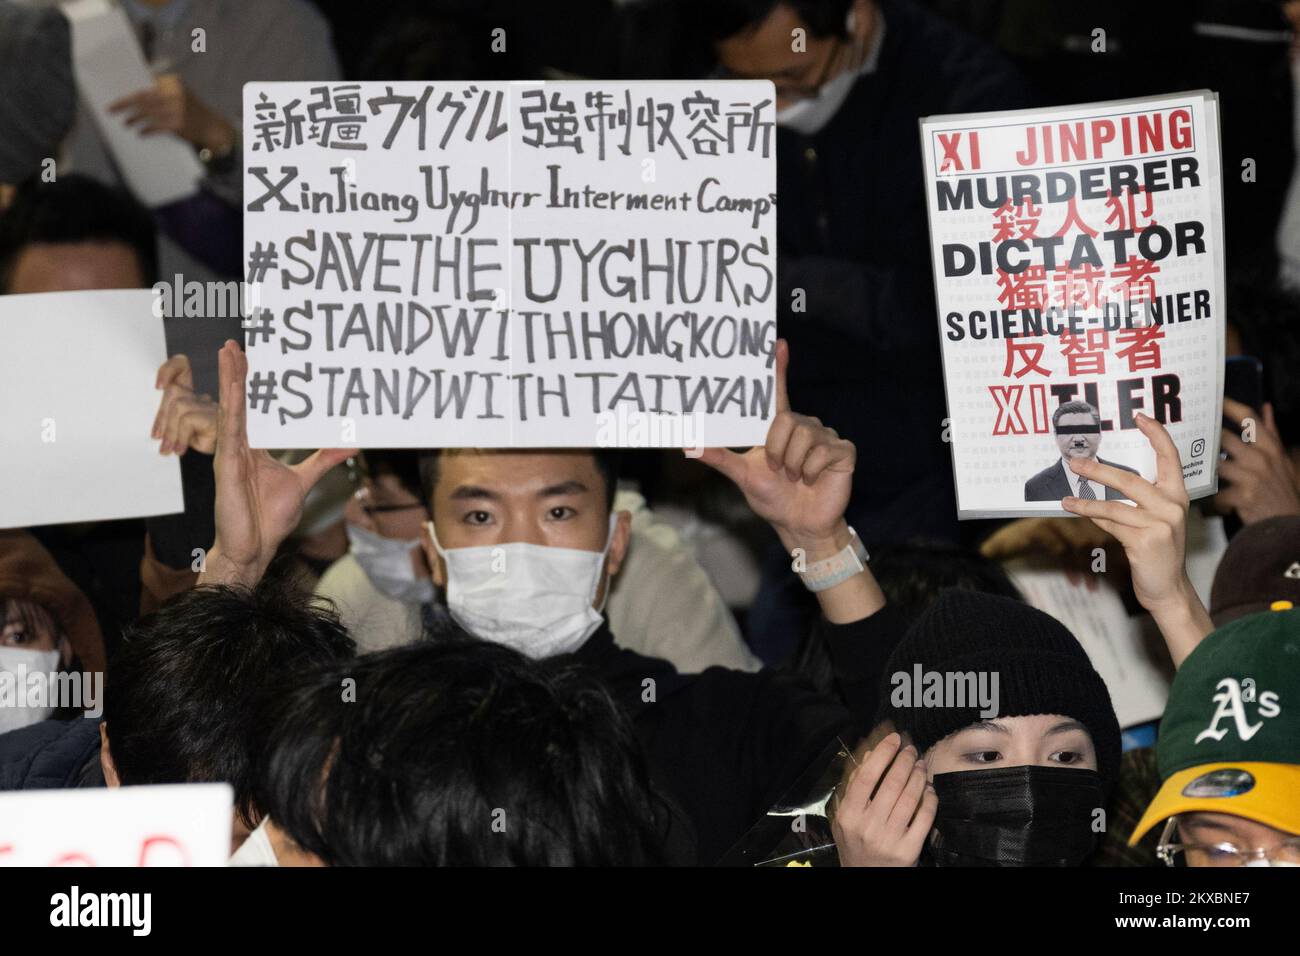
{"x":612,"y":651}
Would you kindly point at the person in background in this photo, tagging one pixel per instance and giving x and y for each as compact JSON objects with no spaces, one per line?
{"x":1259,"y":569}
{"x":403,"y":782}
{"x":46,"y":626}
{"x":202,"y":52}
{"x":40,"y":97}
{"x":187,"y":681}
{"x":1229,"y":749}
{"x":855,"y":289}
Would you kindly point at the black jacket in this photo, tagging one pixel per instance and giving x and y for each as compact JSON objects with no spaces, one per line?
{"x":852,"y":233}
{"x":724,"y":744}
{"x":1050,"y":484}
{"x":51,"y":755}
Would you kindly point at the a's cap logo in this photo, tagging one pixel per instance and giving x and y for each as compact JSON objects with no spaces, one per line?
{"x":1231,"y":701}
{"x":1220,"y":783}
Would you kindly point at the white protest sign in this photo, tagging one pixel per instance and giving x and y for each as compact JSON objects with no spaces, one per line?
{"x":159,"y":168}
{"x":510,"y":264}
{"x":174,"y":825}
{"x":1078,"y":262}
{"x":78,"y":370}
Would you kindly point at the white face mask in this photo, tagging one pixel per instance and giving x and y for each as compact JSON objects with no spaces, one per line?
{"x":15,"y":664}
{"x":387,"y":563}
{"x":533,"y":598}
{"x":811,"y":114}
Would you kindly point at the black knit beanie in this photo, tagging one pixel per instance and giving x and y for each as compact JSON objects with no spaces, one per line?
{"x":1041,"y":669}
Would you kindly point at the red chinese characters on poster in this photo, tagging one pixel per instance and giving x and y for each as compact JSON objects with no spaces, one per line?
{"x":1078,"y":263}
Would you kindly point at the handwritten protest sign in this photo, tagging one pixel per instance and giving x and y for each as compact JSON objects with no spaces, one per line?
{"x":510,"y":264}
{"x":175,"y":825}
{"x":78,"y":370}
{"x":1078,"y":262}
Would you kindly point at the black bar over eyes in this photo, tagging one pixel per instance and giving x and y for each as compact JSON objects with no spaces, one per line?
{"x":1078,"y":429}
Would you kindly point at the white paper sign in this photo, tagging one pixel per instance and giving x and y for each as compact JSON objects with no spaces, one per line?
{"x":1078,"y":261}
{"x":78,"y":372}
{"x":176,"y":825}
{"x":159,"y":168}
{"x":494,"y":264}
{"x":1132,"y":661}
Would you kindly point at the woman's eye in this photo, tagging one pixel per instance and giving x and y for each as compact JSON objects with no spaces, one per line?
{"x":984,"y":756}
{"x":14,"y":636}
{"x":477,"y":517}
{"x":560,"y":512}
{"x":1067,"y":757}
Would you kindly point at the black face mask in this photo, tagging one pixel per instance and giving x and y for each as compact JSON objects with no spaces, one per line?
{"x":1015,"y":816}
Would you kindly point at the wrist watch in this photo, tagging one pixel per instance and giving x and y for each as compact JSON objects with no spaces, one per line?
{"x":827,"y":573}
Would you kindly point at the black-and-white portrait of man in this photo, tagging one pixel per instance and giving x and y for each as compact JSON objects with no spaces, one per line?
{"x":1076,"y":427}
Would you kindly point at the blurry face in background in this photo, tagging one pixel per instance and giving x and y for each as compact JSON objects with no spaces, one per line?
{"x":383,"y":507}
{"x":1079,"y":444}
{"x":75,"y":266}
{"x":767,"y":52}
{"x":1043,"y":740}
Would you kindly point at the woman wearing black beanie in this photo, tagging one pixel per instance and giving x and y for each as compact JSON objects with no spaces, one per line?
{"x":1014,"y":729}
{"x":1005,"y":745}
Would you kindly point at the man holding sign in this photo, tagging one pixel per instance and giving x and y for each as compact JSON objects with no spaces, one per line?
{"x":524,"y":545}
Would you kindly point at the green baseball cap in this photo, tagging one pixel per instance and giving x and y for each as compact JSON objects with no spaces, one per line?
{"x":1230,"y":736}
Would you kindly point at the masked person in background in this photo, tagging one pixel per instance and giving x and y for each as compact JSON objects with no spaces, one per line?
{"x":48,"y":628}
{"x":1229,"y":749}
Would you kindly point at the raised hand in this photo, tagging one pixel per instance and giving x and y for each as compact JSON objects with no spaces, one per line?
{"x":259,"y":499}
{"x":799,"y":481}
{"x":1154,"y":536}
{"x":184,"y":420}
{"x":887,"y":808}
{"x":1261,"y":480}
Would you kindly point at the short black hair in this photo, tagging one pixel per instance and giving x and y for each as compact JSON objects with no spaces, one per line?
{"x":76,"y":208}
{"x":1074,"y":408}
{"x":184,"y":683}
{"x":458,"y":752}
{"x":402,"y":463}
{"x":607,"y":463}
{"x":721,"y":19}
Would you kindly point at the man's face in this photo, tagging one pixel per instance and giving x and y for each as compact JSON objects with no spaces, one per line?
{"x":550,"y":498}
{"x":1216,"y":828}
{"x":1080,"y":444}
{"x":768,"y":52}
{"x":75,"y":266}
{"x":384,"y":507}
{"x":1043,"y":740}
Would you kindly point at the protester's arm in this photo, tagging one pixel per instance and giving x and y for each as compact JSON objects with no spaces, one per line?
{"x":1261,"y":478}
{"x":259,"y":499}
{"x":1154,"y":536}
{"x":799,"y":482}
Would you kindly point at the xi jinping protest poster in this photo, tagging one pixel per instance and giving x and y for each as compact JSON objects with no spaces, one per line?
{"x":1079,"y":277}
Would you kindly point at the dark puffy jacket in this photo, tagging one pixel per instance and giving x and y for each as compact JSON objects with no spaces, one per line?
{"x":51,"y":755}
